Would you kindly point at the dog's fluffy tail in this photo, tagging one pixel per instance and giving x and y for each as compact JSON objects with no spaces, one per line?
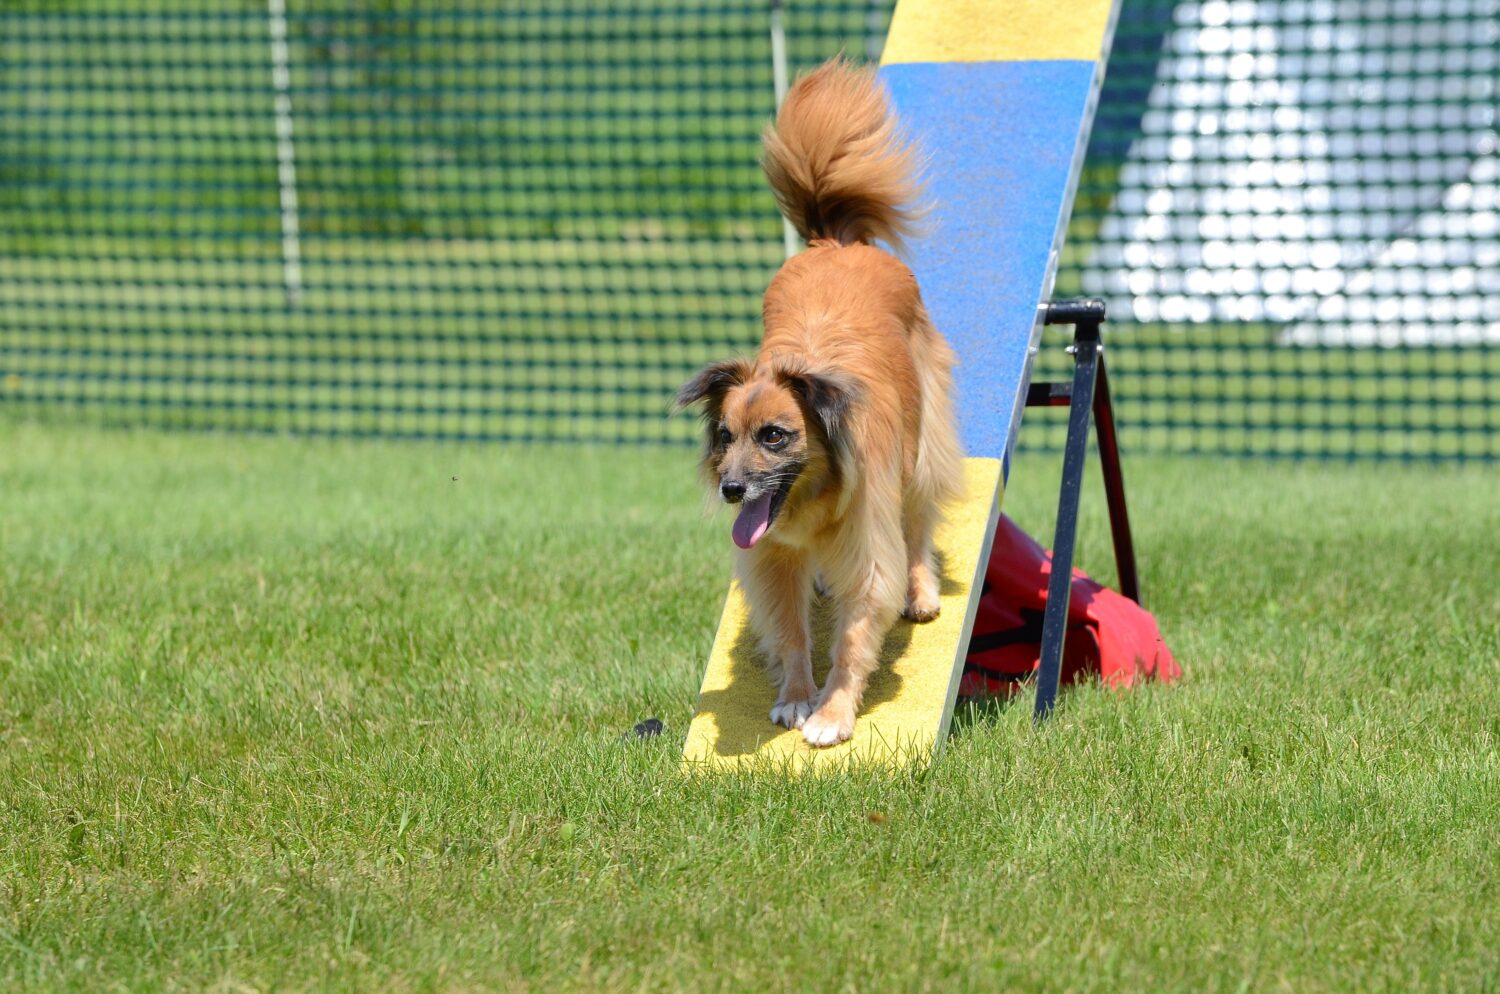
{"x":837,"y":164}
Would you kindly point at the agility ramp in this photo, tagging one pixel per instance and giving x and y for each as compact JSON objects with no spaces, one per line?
{"x":1000,"y":95}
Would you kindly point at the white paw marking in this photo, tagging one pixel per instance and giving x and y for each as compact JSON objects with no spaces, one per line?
{"x":820,"y":731}
{"x":791,"y":714}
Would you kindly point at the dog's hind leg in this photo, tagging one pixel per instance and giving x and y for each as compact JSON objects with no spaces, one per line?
{"x":937,"y":477}
{"x":778,"y":587}
{"x":922,"y":588}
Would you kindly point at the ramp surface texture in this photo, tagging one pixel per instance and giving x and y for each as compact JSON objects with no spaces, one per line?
{"x":1000,"y":95}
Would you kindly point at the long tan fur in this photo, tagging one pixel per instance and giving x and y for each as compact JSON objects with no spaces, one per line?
{"x":836,"y":163}
{"x":841,"y":429}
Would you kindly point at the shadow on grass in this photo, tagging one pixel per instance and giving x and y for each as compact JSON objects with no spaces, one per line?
{"x":970,"y":712}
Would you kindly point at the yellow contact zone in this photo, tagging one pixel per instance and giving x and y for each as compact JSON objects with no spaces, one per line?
{"x":909,"y":700}
{"x":997,"y":30}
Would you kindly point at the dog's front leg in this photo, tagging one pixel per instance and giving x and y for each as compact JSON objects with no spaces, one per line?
{"x":862,"y":625}
{"x":777,"y":585}
{"x":867,"y":571}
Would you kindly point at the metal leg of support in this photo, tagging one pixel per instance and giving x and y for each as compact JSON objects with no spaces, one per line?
{"x":1087,"y":395}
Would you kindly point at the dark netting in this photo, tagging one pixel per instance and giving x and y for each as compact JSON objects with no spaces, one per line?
{"x":532,"y":220}
{"x":1293,"y":209}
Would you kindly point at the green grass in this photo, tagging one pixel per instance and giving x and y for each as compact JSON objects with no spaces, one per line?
{"x":290,"y":715}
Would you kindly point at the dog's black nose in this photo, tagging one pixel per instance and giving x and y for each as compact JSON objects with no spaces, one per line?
{"x":732,"y":491}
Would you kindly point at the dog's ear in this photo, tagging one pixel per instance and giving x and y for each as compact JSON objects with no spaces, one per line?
{"x":829,"y":396}
{"x":712,"y":382}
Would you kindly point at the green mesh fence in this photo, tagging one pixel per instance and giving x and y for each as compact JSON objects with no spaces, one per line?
{"x":1293,"y":209}
{"x":530,"y":221}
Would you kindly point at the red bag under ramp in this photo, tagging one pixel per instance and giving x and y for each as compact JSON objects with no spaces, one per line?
{"x":1110,"y":637}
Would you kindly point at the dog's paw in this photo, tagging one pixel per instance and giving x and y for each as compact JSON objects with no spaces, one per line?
{"x":922,"y":600}
{"x":825,"y":729}
{"x":791,"y":714}
{"x":922,"y":613}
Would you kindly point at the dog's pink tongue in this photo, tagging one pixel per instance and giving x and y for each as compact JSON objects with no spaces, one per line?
{"x":753,"y":520}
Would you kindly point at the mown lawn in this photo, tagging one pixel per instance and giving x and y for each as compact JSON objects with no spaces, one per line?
{"x":292,"y":715}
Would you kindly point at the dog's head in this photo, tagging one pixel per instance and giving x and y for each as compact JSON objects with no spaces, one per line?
{"x":774,"y":435}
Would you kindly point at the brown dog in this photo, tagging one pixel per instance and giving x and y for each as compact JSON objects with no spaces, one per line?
{"x":838,"y":440}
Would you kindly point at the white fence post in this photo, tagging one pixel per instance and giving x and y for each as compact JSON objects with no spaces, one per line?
{"x":778,"y":71}
{"x":286,"y":154}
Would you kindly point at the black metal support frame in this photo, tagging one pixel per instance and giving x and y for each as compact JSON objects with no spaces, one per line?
{"x":1087,"y":394}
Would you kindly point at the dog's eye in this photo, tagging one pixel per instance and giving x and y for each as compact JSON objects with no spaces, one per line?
{"x":724,"y":436}
{"x":772,"y":437}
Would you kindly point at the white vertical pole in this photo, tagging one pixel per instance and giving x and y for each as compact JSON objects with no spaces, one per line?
{"x":286,"y":154}
{"x":778,"y":72}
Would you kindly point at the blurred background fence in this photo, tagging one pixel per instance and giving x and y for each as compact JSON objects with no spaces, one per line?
{"x":531,"y":220}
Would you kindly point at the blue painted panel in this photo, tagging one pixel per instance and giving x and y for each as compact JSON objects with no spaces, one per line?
{"x":1000,"y":140}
